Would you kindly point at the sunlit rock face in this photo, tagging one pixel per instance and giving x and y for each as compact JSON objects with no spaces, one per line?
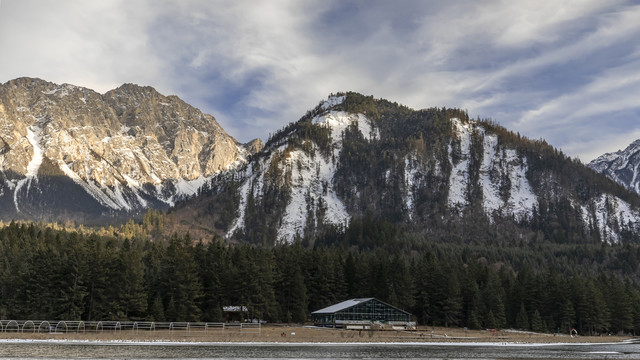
{"x":68,"y":152}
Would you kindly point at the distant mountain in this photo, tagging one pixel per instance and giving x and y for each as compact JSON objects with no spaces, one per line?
{"x":354,"y":161}
{"x":70,"y":153}
{"x":623,"y":166}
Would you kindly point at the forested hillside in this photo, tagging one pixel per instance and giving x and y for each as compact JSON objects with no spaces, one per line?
{"x":52,"y":274}
{"x":459,"y":221}
{"x":433,"y":172}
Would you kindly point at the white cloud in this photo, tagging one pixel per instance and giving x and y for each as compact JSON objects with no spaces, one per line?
{"x":590,"y":148}
{"x":97,"y":44}
{"x":532,"y":65}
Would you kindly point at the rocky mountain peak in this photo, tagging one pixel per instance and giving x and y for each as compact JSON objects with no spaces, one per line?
{"x":128,"y":149}
{"x":254,"y":146}
{"x":623,"y":166}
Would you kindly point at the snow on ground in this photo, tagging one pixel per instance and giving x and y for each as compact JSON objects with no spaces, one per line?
{"x":34,"y":136}
{"x":459,"y":179}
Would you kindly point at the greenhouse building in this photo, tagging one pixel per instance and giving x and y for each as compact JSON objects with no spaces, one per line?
{"x":367,"y":313}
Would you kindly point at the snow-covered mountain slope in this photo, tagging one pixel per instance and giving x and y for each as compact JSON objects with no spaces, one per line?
{"x":128,"y":149}
{"x":309,"y":176}
{"x":622,"y":166}
{"x":502,"y":174}
{"x":427,"y":171}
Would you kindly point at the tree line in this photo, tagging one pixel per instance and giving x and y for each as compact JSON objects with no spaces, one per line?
{"x":59,"y":274}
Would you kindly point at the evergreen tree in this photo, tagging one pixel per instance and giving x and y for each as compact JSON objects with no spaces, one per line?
{"x":536,"y":322}
{"x":179,"y":283}
{"x":522,"y":320}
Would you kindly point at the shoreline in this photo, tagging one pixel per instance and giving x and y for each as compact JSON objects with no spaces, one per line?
{"x":302,"y":344}
{"x":309,"y":336}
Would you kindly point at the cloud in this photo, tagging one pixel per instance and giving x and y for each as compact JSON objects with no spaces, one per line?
{"x":98,"y":44}
{"x":541,"y":68}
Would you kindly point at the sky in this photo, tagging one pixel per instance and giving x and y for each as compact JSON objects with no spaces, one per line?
{"x":564,"y":71}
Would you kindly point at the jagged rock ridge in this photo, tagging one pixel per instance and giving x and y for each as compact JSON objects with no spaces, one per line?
{"x":70,"y":152}
{"x":623,"y":166}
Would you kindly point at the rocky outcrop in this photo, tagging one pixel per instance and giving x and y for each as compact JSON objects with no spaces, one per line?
{"x":129,"y":149}
{"x":623,"y":166}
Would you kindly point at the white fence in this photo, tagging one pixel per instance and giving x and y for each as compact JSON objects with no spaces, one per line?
{"x":63,"y":326}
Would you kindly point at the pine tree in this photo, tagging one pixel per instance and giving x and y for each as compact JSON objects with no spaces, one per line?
{"x":179,"y":281}
{"x":568,"y":316}
{"x":133,"y":296}
{"x":619,"y":303}
{"x":522,"y":320}
{"x":537,"y":324}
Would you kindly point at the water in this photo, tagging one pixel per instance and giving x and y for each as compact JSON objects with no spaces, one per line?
{"x":90,"y":350}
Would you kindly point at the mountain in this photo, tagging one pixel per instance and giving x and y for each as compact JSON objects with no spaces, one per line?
{"x":623,"y":166}
{"x":70,"y":153}
{"x":355,"y":162}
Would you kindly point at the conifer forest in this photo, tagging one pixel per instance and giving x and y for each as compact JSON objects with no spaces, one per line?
{"x":52,"y":273}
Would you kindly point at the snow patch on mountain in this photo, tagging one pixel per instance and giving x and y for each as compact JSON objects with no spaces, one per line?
{"x":91,"y":188}
{"x":411,"y":173}
{"x":333,"y":101}
{"x":522,"y":199}
{"x":502,"y":171}
{"x":238,"y":223}
{"x":459,"y":178}
{"x":187,"y":187}
{"x":313,"y":200}
{"x":253,"y":183}
{"x":489,"y":175}
{"x":611,"y":215}
{"x":338,"y":121}
{"x":34,"y":137}
{"x":503,"y":181}
{"x":312,"y":194}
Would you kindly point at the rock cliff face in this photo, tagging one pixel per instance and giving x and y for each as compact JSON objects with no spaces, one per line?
{"x":622,"y":166}
{"x":68,"y":152}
